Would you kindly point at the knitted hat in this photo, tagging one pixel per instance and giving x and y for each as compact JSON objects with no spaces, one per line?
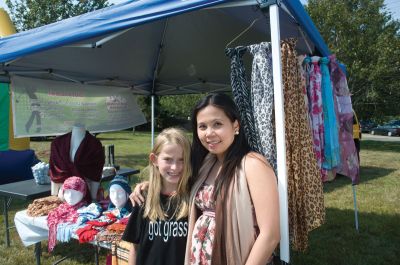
{"x":75,"y":183}
{"x":121,"y":181}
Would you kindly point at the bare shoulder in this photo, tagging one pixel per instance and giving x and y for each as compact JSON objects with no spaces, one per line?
{"x":255,"y":164}
{"x":256,"y":159}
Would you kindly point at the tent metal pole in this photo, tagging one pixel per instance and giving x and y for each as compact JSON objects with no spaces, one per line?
{"x":152,"y":121}
{"x":355,"y":207}
{"x":155,"y":73}
{"x":280,"y":131}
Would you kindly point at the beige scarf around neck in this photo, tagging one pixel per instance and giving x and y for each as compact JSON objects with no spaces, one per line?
{"x":236,"y":220}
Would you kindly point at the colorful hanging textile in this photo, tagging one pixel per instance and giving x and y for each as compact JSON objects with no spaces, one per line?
{"x":349,"y":165}
{"x":305,"y":193}
{"x":331,"y":131}
{"x":241,"y":95}
{"x":316,"y":110}
{"x":256,"y":106}
{"x":262,"y":97}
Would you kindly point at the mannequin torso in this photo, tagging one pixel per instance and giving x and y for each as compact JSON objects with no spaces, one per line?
{"x":77,"y":135}
{"x":76,"y":153}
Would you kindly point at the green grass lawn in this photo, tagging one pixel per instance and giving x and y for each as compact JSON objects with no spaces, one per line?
{"x":336,"y":242}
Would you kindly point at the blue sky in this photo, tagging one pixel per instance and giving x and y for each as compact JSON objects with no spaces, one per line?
{"x":392,"y":5}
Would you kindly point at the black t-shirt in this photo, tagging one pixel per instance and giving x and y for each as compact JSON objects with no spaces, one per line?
{"x":160,"y":242}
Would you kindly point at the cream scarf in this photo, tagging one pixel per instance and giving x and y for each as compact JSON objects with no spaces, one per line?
{"x":238,"y":222}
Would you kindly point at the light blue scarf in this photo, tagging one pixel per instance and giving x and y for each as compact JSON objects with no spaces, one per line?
{"x":331,"y":142}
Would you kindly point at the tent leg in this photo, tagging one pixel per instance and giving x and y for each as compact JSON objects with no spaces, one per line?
{"x":280,"y":131}
{"x":355,"y":207}
{"x":152,"y":121}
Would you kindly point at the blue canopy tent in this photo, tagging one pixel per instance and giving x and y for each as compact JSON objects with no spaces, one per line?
{"x":165,"y":48}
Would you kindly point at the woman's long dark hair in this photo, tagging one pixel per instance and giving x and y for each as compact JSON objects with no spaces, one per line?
{"x":238,"y":149}
{"x":233,"y":157}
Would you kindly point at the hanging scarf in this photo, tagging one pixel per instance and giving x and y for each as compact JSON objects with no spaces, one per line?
{"x":349,"y":165}
{"x":65,"y":213}
{"x":305,"y":193}
{"x":88,"y":162}
{"x":316,"y":110}
{"x":262,"y":96}
{"x":331,"y":132}
{"x":241,"y":95}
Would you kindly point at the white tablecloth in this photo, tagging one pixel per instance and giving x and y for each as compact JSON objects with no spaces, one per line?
{"x":31,"y":230}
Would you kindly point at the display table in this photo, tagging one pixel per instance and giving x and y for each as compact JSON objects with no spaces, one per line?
{"x":32,"y":230}
{"x":29,"y":190}
{"x":25,"y":190}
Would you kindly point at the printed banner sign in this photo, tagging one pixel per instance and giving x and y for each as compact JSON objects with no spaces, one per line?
{"x":46,"y":107}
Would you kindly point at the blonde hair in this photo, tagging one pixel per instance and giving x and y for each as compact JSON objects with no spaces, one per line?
{"x":152,"y":207}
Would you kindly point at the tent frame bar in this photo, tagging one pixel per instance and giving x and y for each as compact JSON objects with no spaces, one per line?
{"x":99,"y":44}
{"x":280,"y":130}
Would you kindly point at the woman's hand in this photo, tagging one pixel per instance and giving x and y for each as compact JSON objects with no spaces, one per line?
{"x":136,"y":196}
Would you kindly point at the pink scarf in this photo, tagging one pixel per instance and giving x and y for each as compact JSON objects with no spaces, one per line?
{"x":65,"y":213}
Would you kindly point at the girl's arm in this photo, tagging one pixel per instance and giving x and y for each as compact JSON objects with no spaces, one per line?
{"x":132,"y":255}
{"x":264,"y":193}
{"x":136,"y":196}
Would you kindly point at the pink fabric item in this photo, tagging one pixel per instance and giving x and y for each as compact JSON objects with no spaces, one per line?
{"x":75,"y":183}
{"x":349,"y":163}
{"x":316,"y":112}
{"x":65,"y":213}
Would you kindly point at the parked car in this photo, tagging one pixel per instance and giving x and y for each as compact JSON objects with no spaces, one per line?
{"x":366,"y":126}
{"x":391,"y":128}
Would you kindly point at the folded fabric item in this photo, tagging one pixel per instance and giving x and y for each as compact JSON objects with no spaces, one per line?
{"x":42,"y":206}
{"x":124,"y":220}
{"x":108,"y":236}
{"x":117,"y":227}
{"x":88,"y":213}
{"x":104,"y":220}
{"x":65,"y":231}
{"x":40,"y":173}
{"x":31,"y":230}
{"x":86,"y":234}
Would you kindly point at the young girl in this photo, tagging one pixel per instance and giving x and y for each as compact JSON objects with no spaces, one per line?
{"x":158,"y":229}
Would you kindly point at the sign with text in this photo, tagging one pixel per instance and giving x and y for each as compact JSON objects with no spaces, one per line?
{"x":46,"y":107}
